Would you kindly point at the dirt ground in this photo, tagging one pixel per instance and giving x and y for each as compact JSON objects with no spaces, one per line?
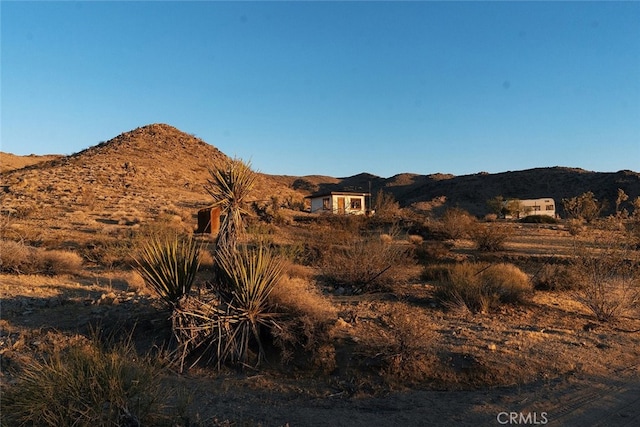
{"x":547,"y":362}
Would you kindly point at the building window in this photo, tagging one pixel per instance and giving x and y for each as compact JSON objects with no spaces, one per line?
{"x":326,"y":203}
{"x":549,"y":207}
{"x":356,"y":204}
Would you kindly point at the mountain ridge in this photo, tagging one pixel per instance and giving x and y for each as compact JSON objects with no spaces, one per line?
{"x":168,"y":166}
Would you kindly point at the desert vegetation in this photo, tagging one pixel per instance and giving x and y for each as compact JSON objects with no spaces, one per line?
{"x":130,"y":318}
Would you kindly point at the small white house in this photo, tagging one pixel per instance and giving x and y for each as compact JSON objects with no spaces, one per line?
{"x":339,"y":202}
{"x":545,"y":206}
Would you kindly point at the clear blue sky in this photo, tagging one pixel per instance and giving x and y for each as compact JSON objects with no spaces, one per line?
{"x":333,"y":88}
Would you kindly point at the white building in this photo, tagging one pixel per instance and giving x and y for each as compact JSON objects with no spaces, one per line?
{"x":545,"y":206}
{"x":339,"y":202}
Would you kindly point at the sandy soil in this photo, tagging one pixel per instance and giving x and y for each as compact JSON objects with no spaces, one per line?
{"x":548,"y":360}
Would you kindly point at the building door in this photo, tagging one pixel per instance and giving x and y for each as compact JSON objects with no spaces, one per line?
{"x":341,"y":205}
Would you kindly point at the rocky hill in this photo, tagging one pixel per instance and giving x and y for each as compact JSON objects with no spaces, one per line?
{"x":151,"y":172}
{"x":471,"y":192}
{"x":158,"y":169}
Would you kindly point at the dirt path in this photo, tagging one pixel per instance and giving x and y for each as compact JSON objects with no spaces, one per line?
{"x":572,"y":401}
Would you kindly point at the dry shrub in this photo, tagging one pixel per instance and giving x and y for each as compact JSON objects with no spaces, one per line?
{"x":430,"y":251}
{"x":575,"y":226}
{"x":456,"y":223}
{"x":299,"y":296}
{"x":399,"y":344}
{"x":482,"y":287}
{"x":365,"y":264}
{"x":307,"y":318}
{"x":55,"y":262}
{"x":490,"y":238}
{"x":386,"y":238}
{"x":135,"y":282}
{"x":609,"y":271}
{"x":491,"y":217}
{"x":87,"y":384}
{"x":554,"y":277}
{"x":415,"y":239}
{"x":16,"y":257}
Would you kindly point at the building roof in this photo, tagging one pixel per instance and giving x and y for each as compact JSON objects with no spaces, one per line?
{"x":337,"y":193}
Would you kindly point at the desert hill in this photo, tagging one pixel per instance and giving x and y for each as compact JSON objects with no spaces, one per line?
{"x":471,"y":192}
{"x":9,"y":162}
{"x":158,"y":169}
{"x":140,"y":175}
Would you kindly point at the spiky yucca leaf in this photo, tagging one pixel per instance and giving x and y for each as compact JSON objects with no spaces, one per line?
{"x":169,"y":265}
{"x":249,"y":274}
{"x":229,"y":187}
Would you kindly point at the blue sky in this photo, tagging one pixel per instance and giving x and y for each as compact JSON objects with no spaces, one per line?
{"x":332,"y":88}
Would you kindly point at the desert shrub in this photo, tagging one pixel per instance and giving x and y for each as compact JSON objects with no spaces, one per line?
{"x":456,"y":223}
{"x":386,"y":238}
{"x":554,"y":277}
{"x":585,"y":207}
{"x":576,"y":226}
{"x":489,"y":237}
{"x":482,"y":287}
{"x":169,"y":266}
{"x":415,"y":239}
{"x":16,"y":257}
{"x":432,"y":251}
{"x":539,"y":219}
{"x":59,"y":262}
{"x":609,"y":271}
{"x":224,"y":324}
{"x":385,"y":205}
{"x":399,"y":345}
{"x":491,"y":217}
{"x":307,"y":316}
{"x":364,"y":264}
{"x":436,"y":272}
{"x":87,"y":384}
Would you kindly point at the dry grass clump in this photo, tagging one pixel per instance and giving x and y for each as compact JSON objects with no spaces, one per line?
{"x":306,"y":321}
{"x":297,"y":295}
{"x":16,"y":257}
{"x":87,"y":384}
{"x":609,"y":271}
{"x":482,"y":287}
{"x":56,"y":262}
{"x":409,"y":350}
{"x":415,"y":239}
{"x":456,"y":223}
{"x":396,"y":344}
{"x":554,"y":277}
{"x":365,"y":264}
{"x":489,"y":237}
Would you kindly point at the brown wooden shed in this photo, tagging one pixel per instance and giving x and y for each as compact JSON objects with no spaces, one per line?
{"x":209,"y":220}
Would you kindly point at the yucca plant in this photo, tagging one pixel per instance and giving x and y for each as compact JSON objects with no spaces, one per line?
{"x":250,"y":274}
{"x":229,"y":186}
{"x":168,"y":264}
{"x":232,"y":320}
